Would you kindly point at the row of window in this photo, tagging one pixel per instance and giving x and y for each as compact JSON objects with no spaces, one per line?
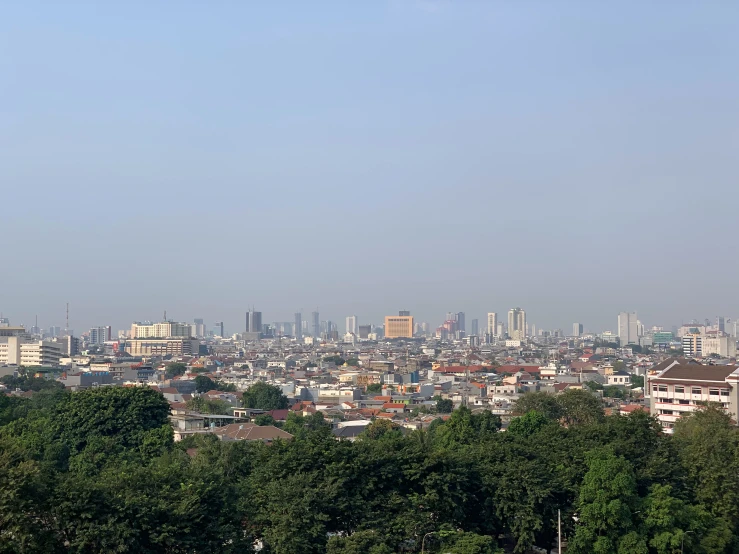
{"x":678,"y":389}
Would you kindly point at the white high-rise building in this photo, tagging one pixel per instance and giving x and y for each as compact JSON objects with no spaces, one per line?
{"x":577,"y":329}
{"x":628,"y":328}
{"x":517,"y":324}
{"x":351,"y":324}
{"x":492,"y":324}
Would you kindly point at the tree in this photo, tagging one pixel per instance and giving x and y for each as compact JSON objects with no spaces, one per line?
{"x":262,"y":396}
{"x":361,"y":542}
{"x":110,"y":420}
{"x":580,"y":407}
{"x":374,"y":388}
{"x":528,"y":424}
{"x":174,"y":369}
{"x":353,"y":362}
{"x":208,"y":406}
{"x":204,"y":383}
{"x":337,"y":360}
{"x":29,"y":383}
{"x":542,"y":402}
{"x":637,"y":381}
{"x":444,"y":405}
{"x":606,"y":505}
{"x":264,"y":419}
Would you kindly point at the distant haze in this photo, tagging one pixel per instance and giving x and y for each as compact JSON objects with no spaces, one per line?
{"x":575,"y":159}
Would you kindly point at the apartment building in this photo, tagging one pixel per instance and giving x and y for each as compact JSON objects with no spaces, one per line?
{"x":682,"y":388}
{"x":163,"y":330}
{"x":162,"y":347}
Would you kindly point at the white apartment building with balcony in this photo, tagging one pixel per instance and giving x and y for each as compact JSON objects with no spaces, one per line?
{"x":682,"y":388}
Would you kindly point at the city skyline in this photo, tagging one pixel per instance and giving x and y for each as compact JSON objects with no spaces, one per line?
{"x":557,"y":144}
{"x":339,"y":321}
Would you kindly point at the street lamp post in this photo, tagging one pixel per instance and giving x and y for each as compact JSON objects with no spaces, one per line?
{"x":423,"y":541}
{"x":682,"y":541}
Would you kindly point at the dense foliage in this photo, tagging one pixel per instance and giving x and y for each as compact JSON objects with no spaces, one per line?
{"x":97,"y":471}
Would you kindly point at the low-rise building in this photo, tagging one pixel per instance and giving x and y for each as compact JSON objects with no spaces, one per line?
{"x":682,"y":388}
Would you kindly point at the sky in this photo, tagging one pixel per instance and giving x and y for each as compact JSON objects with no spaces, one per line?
{"x":576,"y":159}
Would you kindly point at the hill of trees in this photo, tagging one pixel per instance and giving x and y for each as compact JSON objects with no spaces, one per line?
{"x":98,"y":471}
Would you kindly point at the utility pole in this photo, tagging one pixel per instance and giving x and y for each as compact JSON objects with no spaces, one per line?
{"x":559,"y":530}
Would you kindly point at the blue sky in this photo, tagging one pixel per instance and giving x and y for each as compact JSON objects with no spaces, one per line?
{"x":571,"y":158}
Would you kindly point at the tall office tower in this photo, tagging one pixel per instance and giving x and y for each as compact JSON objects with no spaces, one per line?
{"x":577,"y":329}
{"x":99,"y":335}
{"x":315,"y":325}
{"x":253,"y":322}
{"x":628,"y":328}
{"x":501,"y":329}
{"x":351,"y":324}
{"x":298,"y":326}
{"x":492,"y":324}
{"x":461,"y":325}
{"x":517,"y":324}
{"x":218,"y":329}
{"x":404,"y":313}
{"x":55,"y":331}
{"x":721,"y":323}
{"x":424,"y":327}
{"x":475,"y":327}
{"x":198,"y":328}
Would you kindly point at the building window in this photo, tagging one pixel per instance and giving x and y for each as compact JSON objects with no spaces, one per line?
{"x":679,"y":389}
{"x":662,"y":388}
{"x":684,"y":401}
{"x":697,"y":390}
{"x":713,"y":392}
{"x":724,"y":392}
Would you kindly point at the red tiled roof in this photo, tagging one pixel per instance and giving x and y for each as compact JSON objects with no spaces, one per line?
{"x":392,"y":405}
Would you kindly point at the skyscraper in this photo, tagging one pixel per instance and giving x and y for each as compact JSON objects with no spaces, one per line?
{"x":492,"y":324}
{"x":577,"y":329}
{"x":517,"y":324}
{"x":461,"y":325}
{"x":218,"y":328}
{"x":351,"y":324}
{"x":198,"y":328}
{"x":99,"y":335}
{"x":475,"y":327}
{"x":254,"y":322}
{"x":721,"y":324}
{"x":628,"y":328}
{"x":315,"y":325}
{"x":298,"y":326}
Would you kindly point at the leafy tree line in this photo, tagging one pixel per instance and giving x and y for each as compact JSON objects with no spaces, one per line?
{"x":98,"y":471}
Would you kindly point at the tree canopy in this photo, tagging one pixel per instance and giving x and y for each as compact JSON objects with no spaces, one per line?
{"x":98,"y":471}
{"x":263,"y":396}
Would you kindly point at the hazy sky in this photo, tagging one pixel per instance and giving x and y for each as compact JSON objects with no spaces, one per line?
{"x":571,"y":158}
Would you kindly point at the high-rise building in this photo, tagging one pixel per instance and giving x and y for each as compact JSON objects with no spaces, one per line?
{"x":218,"y":329}
{"x":492,"y":324}
{"x":721,"y":324}
{"x":298,"y":326}
{"x":364,"y":331}
{"x":404,"y":313}
{"x":517,"y":324}
{"x":501,"y":329}
{"x":351,"y":324}
{"x":399,"y":327}
{"x":461,"y":325}
{"x":577,"y":329}
{"x":253,"y":322}
{"x":315,"y":325}
{"x":100,"y":335}
{"x":475,"y":327}
{"x":628,"y":328}
{"x":198,"y":328}
{"x":55,"y":331}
